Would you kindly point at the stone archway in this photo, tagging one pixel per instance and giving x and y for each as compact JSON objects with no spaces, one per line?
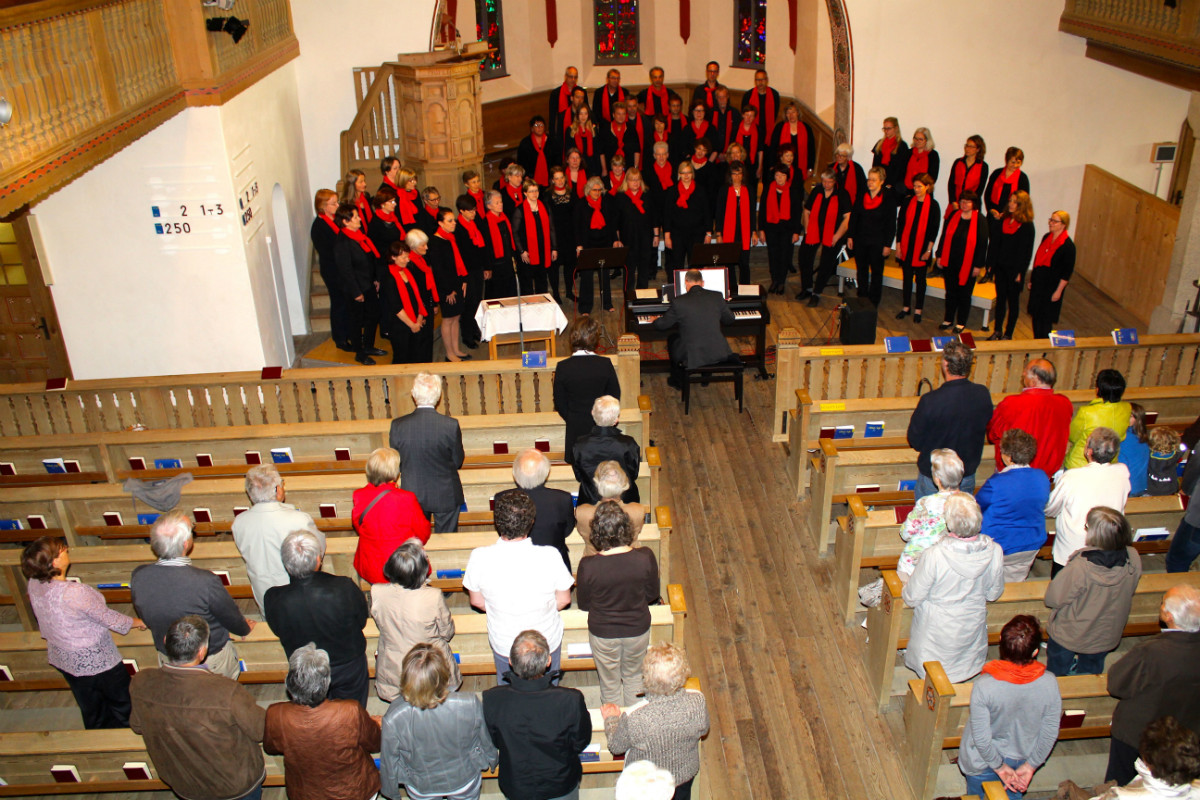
{"x":843,"y":71}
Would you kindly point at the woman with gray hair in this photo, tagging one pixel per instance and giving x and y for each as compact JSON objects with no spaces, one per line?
{"x":418,"y":248}
{"x":596,"y":220}
{"x":611,"y":482}
{"x":326,"y":744}
{"x":606,"y":443}
{"x":949,"y":591}
{"x":408,"y":611}
{"x":384,"y":516}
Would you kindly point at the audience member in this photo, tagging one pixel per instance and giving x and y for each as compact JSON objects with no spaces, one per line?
{"x":327,"y":610}
{"x":955,"y":579}
{"x":1040,"y":412}
{"x":1168,"y":767}
{"x":555,"y":516}
{"x":1185,"y":544}
{"x":955,"y":416}
{"x":519,"y":585}
{"x":606,"y":443}
{"x":431,"y":454}
{"x":1013,"y":502}
{"x":435,"y":742}
{"x":1105,"y":410}
{"x":326,"y":744}
{"x":408,"y":611}
{"x":699,"y":313}
{"x":1102,"y":482}
{"x":171,"y":588}
{"x":259,"y":531}
{"x":580,"y":379}
{"x":1162,"y":473}
{"x":1089,"y":600}
{"x":201,"y":730}
{"x":1015,"y":709}
{"x":384,"y":516}
{"x":611,"y":482}
{"x":539,"y":728}
{"x":667,"y":726}
{"x":1156,"y":678}
{"x":1135,"y":450}
{"x":642,"y":780}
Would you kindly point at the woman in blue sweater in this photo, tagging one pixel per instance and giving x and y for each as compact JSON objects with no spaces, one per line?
{"x":1012,"y":501}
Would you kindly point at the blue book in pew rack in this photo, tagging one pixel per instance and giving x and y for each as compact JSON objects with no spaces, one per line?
{"x":940,"y":342}
{"x":907,"y":486}
{"x":10,"y":525}
{"x":872,"y":430}
{"x":1125,"y":335}
{"x":55,"y":466}
{"x":167,"y":463}
{"x":1062,"y":338}
{"x":897,"y":344}
{"x":147,"y":519}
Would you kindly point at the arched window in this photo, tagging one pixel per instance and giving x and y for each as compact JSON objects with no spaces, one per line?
{"x":616,"y":31}
{"x":489,"y":27}
{"x":749,"y":33}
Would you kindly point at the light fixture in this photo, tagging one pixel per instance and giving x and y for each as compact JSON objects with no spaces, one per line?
{"x":5,"y":111}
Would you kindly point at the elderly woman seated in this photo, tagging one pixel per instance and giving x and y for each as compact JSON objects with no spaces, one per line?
{"x":611,"y":482}
{"x":1168,"y":765}
{"x":326,"y":744}
{"x":949,"y":591}
{"x":606,"y":443}
{"x":1013,"y":502}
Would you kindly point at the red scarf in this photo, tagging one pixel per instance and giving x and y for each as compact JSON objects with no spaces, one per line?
{"x":494,"y":221}
{"x":764,"y":105}
{"x":582,"y":137}
{"x":685,"y":192}
{"x":564,"y":97}
{"x":395,"y":188}
{"x":886,"y":148}
{"x":472,"y":230}
{"x":531,"y":239}
{"x":580,"y":182}
{"x":636,"y":199}
{"x":791,"y":176}
{"x":386,"y":217}
{"x":329,"y":221}
{"x":460,"y":268}
{"x":1009,"y":225}
{"x":604,"y":101}
{"x":779,"y":204}
{"x":799,"y":140}
{"x":597,"y":217}
{"x":701,"y":130}
{"x":825,"y":236}
{"x":402,"y":276}
{"x":1001,"y":182}
{"x":661,"y":94}
{"x":1047,"y":249}
{"x":850,"y":184}
{"x":1009,"y":672}
{"x":616,"y":184}
{"x":366,"y":244}
{"x":730,"y":226}
{"x":407,"y":206}
{"x":968,"y":254}
{"x":919,"y":241}
{"x":513,"y":192}
{"x":430,"y":284}
{"x":752,"y":150}
{"x":661,"y":136}
{"x":665,"y":178}
{"x":364,"y":208}
{"x":917,"y":164}
{"x":871,"y":203}
{"x":710,"y":93}
{"x":641,"y":132}
{"x":698,"y":165}
{"x":541,"y":172}
{"x":618,"y":132}
{"x":967,"y":179}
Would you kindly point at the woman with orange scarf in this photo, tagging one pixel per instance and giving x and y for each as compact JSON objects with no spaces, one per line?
{"x":1053,"y":264}
{"x":404,"y":311}
{"x":961,"y":255}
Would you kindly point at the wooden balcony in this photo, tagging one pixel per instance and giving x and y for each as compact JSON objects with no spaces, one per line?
{"x":1149,"y":37}
{"x":87,"y":78}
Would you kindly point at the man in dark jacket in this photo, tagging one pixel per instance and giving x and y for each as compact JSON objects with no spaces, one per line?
{"x":327,"y":610}
{"x":699,"y":313}
{"x":1156,"y":678}
{"x":606,"y":443}
{"x":955,"y":416}
{"x":431,"y":453}
{"x":555,"y":516}
{"x":540,"y":729}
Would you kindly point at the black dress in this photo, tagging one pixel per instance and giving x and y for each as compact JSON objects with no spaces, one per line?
{"x":1042,"y":283}
{"x":637,"y":234}
{"x":578,"y":381}
{"x":588,"y":237}
{"x":323,"y":239}
{"x":1008,"y":257}
{"x":686,"y":225}
{"x":445,"y":272}
{"x":562,"y":218}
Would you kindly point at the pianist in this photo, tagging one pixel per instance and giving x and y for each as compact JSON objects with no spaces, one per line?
{"x":699,"y":313}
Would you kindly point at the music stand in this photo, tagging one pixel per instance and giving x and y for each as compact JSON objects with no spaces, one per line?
{"x":599,"y":259}
{"x":723,"y":254}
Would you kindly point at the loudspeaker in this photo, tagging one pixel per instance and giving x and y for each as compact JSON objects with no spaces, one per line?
{"x":858,"y":321}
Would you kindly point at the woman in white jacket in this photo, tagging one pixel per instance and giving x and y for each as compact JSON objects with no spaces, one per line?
{"x":955,"y":579}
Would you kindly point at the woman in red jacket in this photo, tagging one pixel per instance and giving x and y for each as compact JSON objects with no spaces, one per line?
{"x":385,"y":516}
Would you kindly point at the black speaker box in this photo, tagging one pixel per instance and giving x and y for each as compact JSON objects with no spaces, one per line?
{"x":858,"y":321}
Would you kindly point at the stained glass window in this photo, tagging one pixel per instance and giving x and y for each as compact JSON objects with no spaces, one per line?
{"x":489,"y":27}
{"x":616,"y":31}
{"x":750,"y":33}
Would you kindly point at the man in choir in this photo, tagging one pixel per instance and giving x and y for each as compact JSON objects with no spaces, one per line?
{"x":536,"y":153}
{"x":638,"y":124}
{"x":765,"y":101}
{"x":725,"y":119}
{"x":655,"y":98}
{"x":699,"y":313}
{"x":707,"y":91}
{"x":560,"y":103}
{"x":608,"y":97}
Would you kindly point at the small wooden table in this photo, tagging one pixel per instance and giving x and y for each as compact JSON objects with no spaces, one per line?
{"x":547,"y":337}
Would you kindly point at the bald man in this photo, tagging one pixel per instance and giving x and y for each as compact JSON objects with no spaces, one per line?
{"x":555,"y":517}
{"x":1156,"y":678}
{"x":1038,"y":411}
{"x":560,"y":114}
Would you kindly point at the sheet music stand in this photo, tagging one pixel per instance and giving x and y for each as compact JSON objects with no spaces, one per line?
{"x":599,"y":259}
{"x":723,"y":254}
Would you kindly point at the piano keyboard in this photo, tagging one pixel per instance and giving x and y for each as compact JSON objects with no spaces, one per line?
{"x":747,"y":314}
{"x":646,"y":319}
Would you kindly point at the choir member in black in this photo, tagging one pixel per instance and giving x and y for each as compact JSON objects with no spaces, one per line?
{"x":736,"y":215}
{"x":473,"y":183}
{"x":655,"y":133}
{"x":407,"y":199}
{"x":450,"y":272}
{"x":640,"y":125}
{"x":846,"y":171}
{"x":582,"y":137}
{"x":675,"y":119}
{"x":325,"y":233}
{"x":1009,"y":251}
{"x":658,"y":178}
{"x":752,"y":139}
{"x":872,"y":231}
{"x":1002,"y":183}
{"x":404,"y":313}
{"x":576,"y":172}
{"x":710,"y":176}
{"x":779,"y":219}
{"x":497,"y":229}
{"x":595,"y":226}
{"x":698,"y":127}
{"x":961,"y":255}
{"x":686,"y":217}
{"x":923,"y":159}
{"x":606,"y":99}
{"x":796,"y":132}
{"x":725,"y":119}
{"x":559,"y":110}
{"x":427,"y":214}
{"x":510,"y":188}
{"x":617,"y":139}
{"x":472,"y":244}
{"x":1053,"y":264}
{"x":826,"y":220}
{"x":891,"y":153}
{"x":968,"y":173}
{"x":536,"y":241}
{"x":655,"y":99}
{"x":917,"y":229}
{"x":765,"y":102}
{"x":561,"y":200}
{"x":357,"y":263}
{"x":536,"y":153}
{"x":384,"y":227}
{"x":707,"y":92}
{"x":354,"y":193}
{"x":638,"y":231}
{"x":418,"y":266}
{"x":614,"y":181}
{"x":393,"y":174}
{"x":785,"y":157}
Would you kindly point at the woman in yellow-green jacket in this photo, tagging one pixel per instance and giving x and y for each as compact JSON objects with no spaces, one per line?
{"x":1106,"y":410}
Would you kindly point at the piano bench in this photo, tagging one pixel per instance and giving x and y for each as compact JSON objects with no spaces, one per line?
{"x":715,"y":373}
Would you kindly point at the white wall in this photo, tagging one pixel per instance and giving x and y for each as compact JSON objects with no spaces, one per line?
{"x":1004,"y":71}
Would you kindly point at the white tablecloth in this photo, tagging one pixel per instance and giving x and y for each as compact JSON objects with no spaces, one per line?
{"x":538,"y":316}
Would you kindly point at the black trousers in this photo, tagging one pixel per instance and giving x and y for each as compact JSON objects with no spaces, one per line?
{"x":868,"y":258}
{"x":1120,"y":762}
{"x":103,"y":699}
{"x":404,"y":343}
{"x":504,"y":280}
{"x":584,"y":286}
{"x":350,"y":681}
{"x":958,"y":298}
{"x":1008,"y":300}
{"x":779,"y":252}
{"x":744,"y":267}
{"x":364,"y":320}
{"x":639,"y":266}
{"x":339,"y":313}
{"x":469,"y":331}
{"x":675,"y":355}
{"x":826,"y":267}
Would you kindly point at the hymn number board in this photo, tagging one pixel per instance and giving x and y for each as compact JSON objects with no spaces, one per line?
{"x":188,"y":211}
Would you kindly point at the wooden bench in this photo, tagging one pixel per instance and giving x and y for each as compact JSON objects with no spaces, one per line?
{"x":871,"y":540}
{"x":889,"y":623}
{"x":983,"y":295}
{"x":713,"y":373}
{"x":935,"y":712}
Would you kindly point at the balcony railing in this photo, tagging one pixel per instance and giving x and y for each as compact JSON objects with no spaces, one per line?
{"x":1146,"y":36}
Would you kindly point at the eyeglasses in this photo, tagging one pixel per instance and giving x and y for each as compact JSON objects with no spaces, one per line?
{"x":1056,"y":219}
{"x":889,"y":127}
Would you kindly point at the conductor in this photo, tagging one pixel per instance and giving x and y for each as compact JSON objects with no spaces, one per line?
{"x":699,"y":313}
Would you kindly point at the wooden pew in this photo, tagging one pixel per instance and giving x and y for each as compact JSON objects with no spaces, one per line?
{"x":889,"y":623}
{"x":935,"y":711}
{"x":871,"y":539}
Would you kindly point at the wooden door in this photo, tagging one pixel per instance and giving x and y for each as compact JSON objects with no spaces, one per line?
{"x":31,"y":343}
{"x":1183,"y":163}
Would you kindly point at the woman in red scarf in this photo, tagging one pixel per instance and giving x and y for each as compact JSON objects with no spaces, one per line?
{"x":657,"y":132}
{"x":473,"y":182}
{"x":618,"y":141}
{"x":596,"y":225}
{"x":497,"y":229}
{"x":1002,"y":183}
{"x":384,"y":228}
{"x":779,"y":216}
{"x":849,"y":175}
{"x":407,"y":199}
{"x":537,"y":154}
{"x":736,"y":212}
{"x":918,"y":223}
{"x":872,"y":231}
{"x":1008,"y":257}
{"x":324,"y":234}
{"x":637,"y":231}
{"x":961,"y":255}
{"x":357,"y":265}
{"x":687,"y":219}
{"x":536,"y":241}
{"x":1053,"y":264}
{"x":472,"y":245}
{"x":354,"y":193}
{"x":450,"y":273}
{"x":891,"y":153}
{"x":582,"y":136}
{"x":576,"y":173}
{"x":404,"y":311}
{"x":510,"y":188}
{"x":614,"y":181}
{"x":422,"y":273}
{"x":795,"y":132}
{"x":824,"y":225}
{"x":698,"y":127}
{"x":922,"y":159}
{"x":561,"y":201}
{"x":968,"y":173}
